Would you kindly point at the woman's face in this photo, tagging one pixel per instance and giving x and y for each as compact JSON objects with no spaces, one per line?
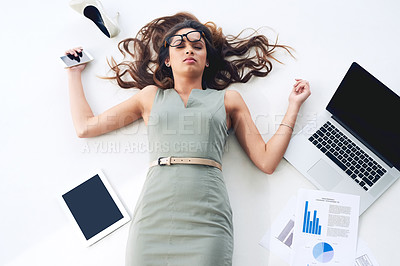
{"x":188,"y":58}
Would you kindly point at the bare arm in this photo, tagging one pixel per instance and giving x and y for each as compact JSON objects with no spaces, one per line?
{"x":266,"y":156}
{"x":88,"y":125}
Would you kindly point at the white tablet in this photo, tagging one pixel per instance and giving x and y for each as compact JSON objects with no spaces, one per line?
{"x":94,"y":208}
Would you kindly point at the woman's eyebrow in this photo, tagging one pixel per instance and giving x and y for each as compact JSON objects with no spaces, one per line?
{"x":196,"y":42}
{"x":200,"y":41}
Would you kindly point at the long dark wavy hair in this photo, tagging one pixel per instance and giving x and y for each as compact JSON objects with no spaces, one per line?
{"x":232,"y":59}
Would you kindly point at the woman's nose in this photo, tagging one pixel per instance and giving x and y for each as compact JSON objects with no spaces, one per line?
{"x":189,"y":51}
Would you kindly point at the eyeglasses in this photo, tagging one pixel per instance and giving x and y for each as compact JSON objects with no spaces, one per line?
{"x":191,"y":36}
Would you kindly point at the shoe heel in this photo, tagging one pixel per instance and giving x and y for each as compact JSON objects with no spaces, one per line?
{"x":112,"y":25}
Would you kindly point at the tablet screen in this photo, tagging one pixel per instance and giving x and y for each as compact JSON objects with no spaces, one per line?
{"x":92,"y":207}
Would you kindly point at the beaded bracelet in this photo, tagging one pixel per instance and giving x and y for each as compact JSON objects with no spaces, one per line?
{"x":282,"y":124}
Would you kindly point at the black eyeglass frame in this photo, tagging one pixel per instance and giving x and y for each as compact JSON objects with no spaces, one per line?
{"x":166,"y":43}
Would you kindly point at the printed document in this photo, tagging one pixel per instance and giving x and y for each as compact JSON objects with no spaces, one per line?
{"x":325,"y":228}
{"x":280,"y":237}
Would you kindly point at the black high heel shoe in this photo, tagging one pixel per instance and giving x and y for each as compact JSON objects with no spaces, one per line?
{"x":93,"y":10}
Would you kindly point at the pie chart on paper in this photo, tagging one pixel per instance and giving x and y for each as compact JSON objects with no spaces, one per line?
{"x":323,"y":252}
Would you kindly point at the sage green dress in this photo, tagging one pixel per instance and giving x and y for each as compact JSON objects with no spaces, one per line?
{"x":183,"y":216}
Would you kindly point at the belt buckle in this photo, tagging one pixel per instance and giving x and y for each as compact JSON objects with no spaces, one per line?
{"x":164,"y":161}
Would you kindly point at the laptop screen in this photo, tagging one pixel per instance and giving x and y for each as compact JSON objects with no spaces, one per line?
{"x":370,"y":111}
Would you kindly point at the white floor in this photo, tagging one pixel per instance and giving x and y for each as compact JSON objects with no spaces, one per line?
{"x":41,"y":155}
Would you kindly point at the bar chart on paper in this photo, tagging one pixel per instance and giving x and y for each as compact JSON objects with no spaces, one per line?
{"x":311,"y":226}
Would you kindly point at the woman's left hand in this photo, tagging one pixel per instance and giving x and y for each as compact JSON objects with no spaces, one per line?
{"x":300,"y":92}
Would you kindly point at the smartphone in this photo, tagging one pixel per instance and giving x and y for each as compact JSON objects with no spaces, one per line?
{"x":71,"y":60}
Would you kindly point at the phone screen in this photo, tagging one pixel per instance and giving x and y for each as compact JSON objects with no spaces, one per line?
{"x":70,"y":60}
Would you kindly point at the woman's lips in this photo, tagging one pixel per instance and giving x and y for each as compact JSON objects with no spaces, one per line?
{"x":189,"y":60}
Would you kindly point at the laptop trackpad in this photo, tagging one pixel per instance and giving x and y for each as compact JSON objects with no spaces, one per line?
{"x":325,"y":175}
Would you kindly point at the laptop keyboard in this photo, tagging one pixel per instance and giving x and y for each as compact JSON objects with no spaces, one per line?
{"x":363,"y":169}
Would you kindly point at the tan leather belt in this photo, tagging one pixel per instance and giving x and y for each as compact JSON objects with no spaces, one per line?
{"x":177,"y":160}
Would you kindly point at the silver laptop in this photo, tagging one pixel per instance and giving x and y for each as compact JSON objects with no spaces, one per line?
{"x":355,"y":147}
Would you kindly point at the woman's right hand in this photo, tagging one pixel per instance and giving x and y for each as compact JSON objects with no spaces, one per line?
{"x":74,"y":52}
